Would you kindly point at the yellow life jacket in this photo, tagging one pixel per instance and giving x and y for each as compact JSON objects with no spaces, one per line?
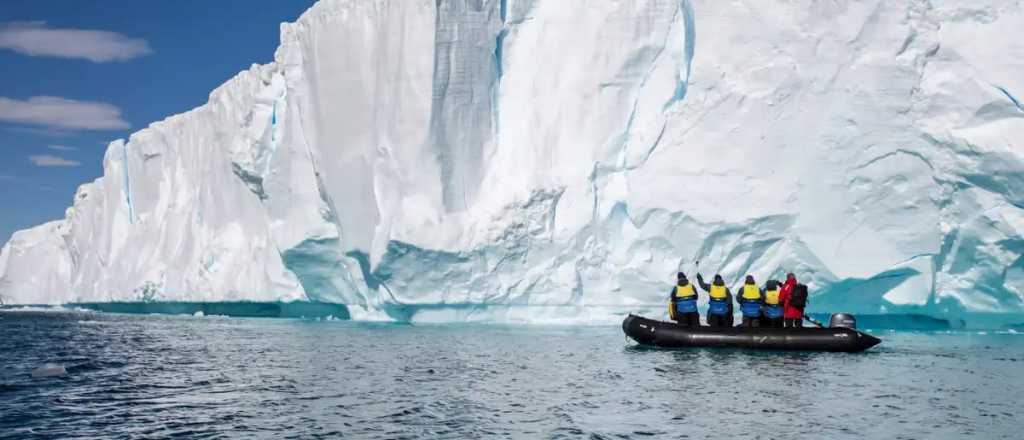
{"x":718,"y":292}
{"x":751,"y":292}
{"x":771,"y":297}
{"x":685,"y":292}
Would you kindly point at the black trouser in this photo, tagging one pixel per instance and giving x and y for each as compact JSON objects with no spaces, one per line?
{"x":794,"y":322}
{"x":772,"y":322}
{"x":717,"y":320}
{"x":749,"y":321}
{"x":691,"y":319}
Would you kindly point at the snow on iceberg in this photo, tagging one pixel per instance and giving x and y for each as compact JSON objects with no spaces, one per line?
{"x":502,"y":159}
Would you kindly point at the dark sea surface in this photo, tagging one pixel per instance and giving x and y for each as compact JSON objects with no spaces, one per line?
{"x":149,"y":376}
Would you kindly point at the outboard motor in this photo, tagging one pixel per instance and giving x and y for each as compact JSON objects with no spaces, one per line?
{"x":843,"y":320}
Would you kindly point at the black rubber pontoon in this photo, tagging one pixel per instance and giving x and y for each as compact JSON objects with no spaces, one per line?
{"x":670,"y":335}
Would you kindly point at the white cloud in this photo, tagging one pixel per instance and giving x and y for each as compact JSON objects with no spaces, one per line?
{"x":33,"y":38}
{"x":61,"y":148}
{"x":62,"y":114}
{"x":46,"y":160}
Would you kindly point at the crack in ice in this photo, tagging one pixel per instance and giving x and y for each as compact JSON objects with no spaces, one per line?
{"x":1016,"y":102}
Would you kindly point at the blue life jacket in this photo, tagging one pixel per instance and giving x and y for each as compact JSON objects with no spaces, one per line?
{"x":773,"y":311}
{"x":750,"y":309}
{"x":686,"y":305}
{"x":718,"y":307}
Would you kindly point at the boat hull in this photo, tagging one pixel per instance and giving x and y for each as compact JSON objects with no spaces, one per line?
{"x":670,"y":335}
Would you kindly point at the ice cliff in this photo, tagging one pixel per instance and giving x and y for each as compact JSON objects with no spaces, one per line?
{"x":535,"y":160}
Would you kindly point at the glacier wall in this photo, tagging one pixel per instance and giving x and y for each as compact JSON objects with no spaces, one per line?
{"x":558,"y":160}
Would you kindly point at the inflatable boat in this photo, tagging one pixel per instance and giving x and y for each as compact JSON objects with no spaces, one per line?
{"x":840,"y":335}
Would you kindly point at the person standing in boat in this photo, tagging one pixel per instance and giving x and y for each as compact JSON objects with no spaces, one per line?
{"x":720,"y":303}
{"x":683,"y":303}
{"x":792,"y":316}
{"x":750,"y":298}
{"x":771,"y":311}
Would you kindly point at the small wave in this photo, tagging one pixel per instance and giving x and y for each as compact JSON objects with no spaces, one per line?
{"x":11,"y":387}
{"x":54,"y":309}
{"x":79,"y":309}
{"x":327,"y":318}
{"x":94,"y":366}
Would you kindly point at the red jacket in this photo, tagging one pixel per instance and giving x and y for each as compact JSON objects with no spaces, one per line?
{"x":789,"y":312}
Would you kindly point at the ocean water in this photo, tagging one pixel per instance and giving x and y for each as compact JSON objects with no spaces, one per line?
{"x":150,"y":376}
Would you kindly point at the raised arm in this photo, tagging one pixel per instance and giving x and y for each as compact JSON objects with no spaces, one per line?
{"x":703,"y":285}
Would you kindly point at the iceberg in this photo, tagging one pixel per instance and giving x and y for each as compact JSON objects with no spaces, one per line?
{"x":49,"y":370}
{"x":551,"y":161}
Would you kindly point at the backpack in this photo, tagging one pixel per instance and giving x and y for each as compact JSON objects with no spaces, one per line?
{"x":799,"y":298}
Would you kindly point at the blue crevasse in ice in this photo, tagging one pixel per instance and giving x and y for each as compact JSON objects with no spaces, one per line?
{"x":273,"y":139}
{"x":127,"y":183}
{"x":689,"y":43}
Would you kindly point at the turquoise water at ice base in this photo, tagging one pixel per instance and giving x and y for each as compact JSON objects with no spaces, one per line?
{"x":152,"y":376}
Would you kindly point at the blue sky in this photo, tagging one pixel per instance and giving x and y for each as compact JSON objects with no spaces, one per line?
{"x":78,"y":74}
